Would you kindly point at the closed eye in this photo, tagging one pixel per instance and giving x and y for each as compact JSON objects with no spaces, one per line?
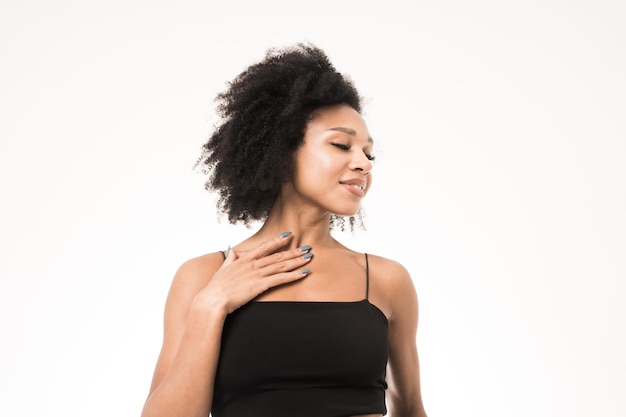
{"x":345,"y":147}
{"x":341,"y":146}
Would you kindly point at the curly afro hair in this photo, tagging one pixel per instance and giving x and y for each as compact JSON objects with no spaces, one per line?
{"x":264,"y":113}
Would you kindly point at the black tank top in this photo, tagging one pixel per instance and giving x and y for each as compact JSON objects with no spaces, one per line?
{"x":302,"y":359}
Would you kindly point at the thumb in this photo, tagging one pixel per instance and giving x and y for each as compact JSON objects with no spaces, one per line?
{"x":231,"y":256}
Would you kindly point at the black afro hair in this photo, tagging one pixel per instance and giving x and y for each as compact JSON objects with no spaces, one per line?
{"x":264,"y":113}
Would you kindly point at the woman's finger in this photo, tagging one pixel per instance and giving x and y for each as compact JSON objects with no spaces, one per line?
{"x":270,"y":246}
{"x":281,"y":278}
{"x":231,"y":256}
{"x":278,"y":258}
{"x":288,"y":261}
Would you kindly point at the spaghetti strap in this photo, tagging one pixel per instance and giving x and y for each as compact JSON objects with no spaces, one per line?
{"x":223,"y":254}
{"x":367,"y":278}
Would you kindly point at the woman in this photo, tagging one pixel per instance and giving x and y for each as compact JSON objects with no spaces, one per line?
{"x":289,"y":322}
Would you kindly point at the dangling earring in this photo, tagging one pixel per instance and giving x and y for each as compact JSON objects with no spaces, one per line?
{"x":358,"y":220}
{"x":354,"y":222}
{"x":337,"y":222}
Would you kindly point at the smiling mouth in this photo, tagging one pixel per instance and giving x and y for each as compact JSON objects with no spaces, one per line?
{"x":356,"y":187}
{"x":355,"y":184}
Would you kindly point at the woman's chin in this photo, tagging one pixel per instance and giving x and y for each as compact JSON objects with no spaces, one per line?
{"x":347,"y":213}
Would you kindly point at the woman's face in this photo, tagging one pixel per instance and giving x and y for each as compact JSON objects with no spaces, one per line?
{"x":333,"y":165}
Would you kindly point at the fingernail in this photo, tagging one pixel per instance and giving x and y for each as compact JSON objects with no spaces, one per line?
{"x":305,"y":271}
{"x":307,"y":255}
{"x":285,"y":234}
{"x":227,"y":251}
{"x":304,"y":248}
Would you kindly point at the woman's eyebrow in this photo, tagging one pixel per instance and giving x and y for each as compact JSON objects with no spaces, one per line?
{"x":349,"y":131}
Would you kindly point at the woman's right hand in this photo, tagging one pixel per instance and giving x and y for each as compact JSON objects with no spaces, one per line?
{"x":242,"y":278}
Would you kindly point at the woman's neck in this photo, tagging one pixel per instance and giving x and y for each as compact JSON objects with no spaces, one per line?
{"x":308,"y":225}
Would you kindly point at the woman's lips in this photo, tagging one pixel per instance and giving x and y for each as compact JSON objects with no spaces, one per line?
{"x":355,"y":186}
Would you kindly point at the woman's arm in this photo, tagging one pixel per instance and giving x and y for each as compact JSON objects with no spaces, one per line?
{"x":405,"y":399}
{"x":182,"y":384}
{"x":204,"y":291}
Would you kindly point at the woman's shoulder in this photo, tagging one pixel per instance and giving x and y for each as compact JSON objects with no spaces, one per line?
{"x":202,"y":262}
{"x":196,"y":272}
{"x":389,"y":271}
{"x":393,"y":284}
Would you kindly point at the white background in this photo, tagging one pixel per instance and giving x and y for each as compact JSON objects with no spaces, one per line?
{"x":500,"y":184}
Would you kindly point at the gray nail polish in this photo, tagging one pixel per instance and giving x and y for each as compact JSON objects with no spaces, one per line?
{"x":307,"y":255}
{"x":305,"y":271}
{"x":285,"y":234}
{"x":305,"y":248}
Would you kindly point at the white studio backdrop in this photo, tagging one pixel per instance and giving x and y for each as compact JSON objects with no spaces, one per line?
{"x":500,"y":184}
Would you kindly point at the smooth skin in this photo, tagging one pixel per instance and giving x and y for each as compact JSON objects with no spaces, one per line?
{"x":332,"y":173}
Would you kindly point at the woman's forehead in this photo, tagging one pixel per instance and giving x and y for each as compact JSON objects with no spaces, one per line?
{"x":340,"y":118}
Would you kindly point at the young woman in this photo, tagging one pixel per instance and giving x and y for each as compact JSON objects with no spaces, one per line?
{"x":289,"y":322}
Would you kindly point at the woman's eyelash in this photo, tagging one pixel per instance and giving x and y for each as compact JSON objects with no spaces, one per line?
{"x":345,"y":147}
{"x":341,"y":146}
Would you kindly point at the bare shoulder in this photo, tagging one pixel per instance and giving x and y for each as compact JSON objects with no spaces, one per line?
{"x":393,"y":282}
{"x":391,"y":275}
{"x":200,"y":266}
{"x":195,"y":273}
{"x":189,"y":279}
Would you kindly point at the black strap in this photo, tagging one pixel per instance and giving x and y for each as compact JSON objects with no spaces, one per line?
{"x":223,"y":254}
{"x":367,"y":278}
